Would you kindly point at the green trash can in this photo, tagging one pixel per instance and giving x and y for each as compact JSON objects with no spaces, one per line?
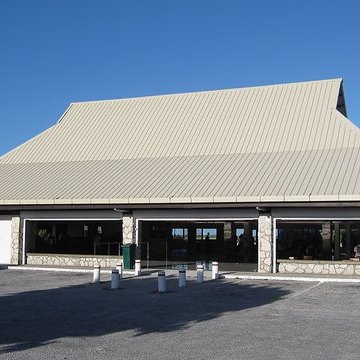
{"x":128,"y":253}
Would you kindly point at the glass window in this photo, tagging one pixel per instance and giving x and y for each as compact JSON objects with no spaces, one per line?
{"x":74,"y":237}
{"x":300,"y":241}
{"x":327,"y":240}
{"x":180,"y":234}
{"x":206,"y":234}
{"x":239,"y":232}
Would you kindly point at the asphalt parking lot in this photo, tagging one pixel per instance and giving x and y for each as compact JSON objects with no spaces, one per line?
{"x":49,"y":315}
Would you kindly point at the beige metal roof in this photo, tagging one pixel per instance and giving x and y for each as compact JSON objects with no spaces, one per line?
{"x":273,"y":143}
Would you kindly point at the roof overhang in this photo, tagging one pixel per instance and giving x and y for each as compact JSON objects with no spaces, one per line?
{"x":238,"y":201}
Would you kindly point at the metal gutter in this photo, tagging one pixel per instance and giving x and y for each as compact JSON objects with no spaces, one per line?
{"x":336,"y":204}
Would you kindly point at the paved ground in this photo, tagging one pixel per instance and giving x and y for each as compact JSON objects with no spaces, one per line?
{"x":47,"y":315}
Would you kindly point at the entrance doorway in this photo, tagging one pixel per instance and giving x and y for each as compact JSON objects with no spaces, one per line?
{"x":171,"y":244}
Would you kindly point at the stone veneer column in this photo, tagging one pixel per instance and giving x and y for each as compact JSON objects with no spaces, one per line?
{"x":16,"y":240}
{"x":128,"y":227}
{"x":265,"y":239}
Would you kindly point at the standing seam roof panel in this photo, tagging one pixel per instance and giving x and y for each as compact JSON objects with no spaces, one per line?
{"x":266,"y":141}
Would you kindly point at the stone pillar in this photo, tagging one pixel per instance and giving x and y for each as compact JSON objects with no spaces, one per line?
{"x":16,"y":240}
{"x":129,"y":233}
{"x":265,"y":238}
{"x":128,"y":228}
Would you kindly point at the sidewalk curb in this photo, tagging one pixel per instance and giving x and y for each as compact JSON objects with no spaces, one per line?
{"x":69,"y":270}
{"x":222,"y":276}
{"x":291,"y":278}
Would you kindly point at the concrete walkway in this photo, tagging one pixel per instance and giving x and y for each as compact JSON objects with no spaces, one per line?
{"x":207,"y":274}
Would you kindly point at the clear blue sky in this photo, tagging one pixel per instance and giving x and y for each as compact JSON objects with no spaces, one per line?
{"x":56,"y":52}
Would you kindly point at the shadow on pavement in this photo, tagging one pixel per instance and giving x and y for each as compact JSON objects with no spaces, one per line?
{"x":36,"y":318}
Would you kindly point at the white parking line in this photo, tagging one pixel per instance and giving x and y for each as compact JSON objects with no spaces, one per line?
{"x":304,"y":291}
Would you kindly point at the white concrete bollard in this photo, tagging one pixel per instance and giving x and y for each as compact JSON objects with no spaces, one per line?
{"x":182,"y":278}
{"x":161,"y":282}
{"x":115,"y":284}
{"x":120,"y":268}
{"x":96,"y":274}
{"x":137,"y":267}
{"x":215,"y":270}
{"x":199,"y":273}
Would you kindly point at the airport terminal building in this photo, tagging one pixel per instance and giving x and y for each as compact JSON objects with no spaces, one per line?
{"x":260,"y":179}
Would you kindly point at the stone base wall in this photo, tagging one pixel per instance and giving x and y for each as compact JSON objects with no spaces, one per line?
{"x":320,"y":267}
{"x":73,"y":260}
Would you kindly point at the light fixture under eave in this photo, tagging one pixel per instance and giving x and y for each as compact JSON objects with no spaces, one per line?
{"x":263,"y":210}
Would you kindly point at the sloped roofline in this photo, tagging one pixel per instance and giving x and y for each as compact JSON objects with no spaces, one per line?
{"x":340,"y":80}
{"x":338,"y":102}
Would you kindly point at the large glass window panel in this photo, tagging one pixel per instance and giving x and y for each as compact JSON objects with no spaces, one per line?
{"x":180,"y":234}
{"x":206,"y":234}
